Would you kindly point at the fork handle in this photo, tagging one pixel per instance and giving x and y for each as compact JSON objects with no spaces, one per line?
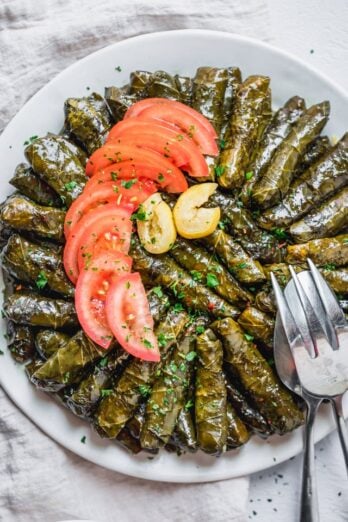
{"x":309,"y":498}
{"x":341,"y":426}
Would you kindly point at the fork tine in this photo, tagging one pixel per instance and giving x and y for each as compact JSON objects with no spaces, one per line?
{"x":310,"y":316}
{"x":291,"y":330}
{"x":328,"y":298}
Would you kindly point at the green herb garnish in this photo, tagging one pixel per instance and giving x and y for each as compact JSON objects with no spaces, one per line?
{"x":41,"y":280}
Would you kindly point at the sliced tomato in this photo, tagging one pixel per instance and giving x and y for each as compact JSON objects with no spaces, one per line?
{"x":185,"y":123}
{"x":120,"y":192}
{"x":132,"y":170}
{"x":91,"y":291}
{"x":183,"y":152}
{"x":110,"y":233}
{"x":113,"y":133}
{"x":70,"y":256}
{"x":116,"y":153}
{"x":129,"y":317}
{"x":137,"y":108}
{"x":172,"y":139}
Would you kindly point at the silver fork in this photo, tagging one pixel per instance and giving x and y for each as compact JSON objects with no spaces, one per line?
{"x":316,"y":331}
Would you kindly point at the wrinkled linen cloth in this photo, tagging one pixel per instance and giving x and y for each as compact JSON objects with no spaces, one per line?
{"x":40,"y":480}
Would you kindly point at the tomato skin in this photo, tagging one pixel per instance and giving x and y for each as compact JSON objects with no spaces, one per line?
{"x":112,"y":153}
{"x":91,"y":289}
{"x":70,"y":255}
{"x":130,"y":170}
{"x":185,"y":123}
{"x":112,"y":192}
{"x":183,"y":153}
{"x":137,"y":108}
{"x":129,"y":317}
{"x":109,"y":234}
{"x":169,"y":141}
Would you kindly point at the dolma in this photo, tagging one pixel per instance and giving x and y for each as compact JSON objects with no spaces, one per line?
{"x":257,"y":378}
{"x":251,"y":114}
{"x":265,"y":301}
{"x":20,"y":341}
{"x":85,"y":398}
{"x":246,"y":269}
{"x":209,"y":86}
{"x":325,"y":251}
{"x":184,"y":435}
{"x":36,"y":310}
{"x":168,"y":393}
{"x":275,"y":133}
{"x":66,"y":365}
{"x":162,"y":270}
{"x":116,"y":409}
{"x":128,"y":442}
{"x":275,"y":182}
{"x":337,"y":279}
{"x":87,"y":120}
{"x":251,"y":417}
{"x":237,"y":432}
{"x":48,"y":342}
{"x":162,"y":85}
{"x":22,"y":214}
{"x":33,"y":366}
{"x":261,"y":245}
{"x":184,"y":85}
{"x":29,"y":184}
{"x":203,"y":267}
{"x":258,"y":325}
{"x":36,"y":264}
{"x":118,"y":101}
{"x":315,"y":150}
{"x":211,"y":398}
{"x":330,"y":218}
{"x":54,"y":162}
{"x":138,"y":82}
{"x":234,"y":79}
{"x":323,"y":178}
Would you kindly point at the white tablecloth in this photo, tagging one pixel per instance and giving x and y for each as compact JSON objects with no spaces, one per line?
{"x":40,"y":481}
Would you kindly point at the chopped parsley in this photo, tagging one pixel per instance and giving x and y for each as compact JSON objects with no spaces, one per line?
{"x":157,"y":290}
{"x":190,"y":356}
{"x":222,"y":144}
{"x":200,"y":329}
{"x":103,"y":362}
{"x":1,"y":352}
{"x":106,"y":392}
{"x":248,"y":175}
{"x":219,"y":170}
{"x":345,"y":241}
{"x":212,"y":280}
{"x":248,"y":337}
{"x":144,"y":390}
{"x":196,"y":275}
{"x":140,"y":215}
{"x":41,"y":280}
{"x":178,"y":307}
{"x":189,"y":404}
{"x":329,"y":266}
{"x":147,"y":344}
{"x":70,"y":186}
{"x":83,"y":439}
{"x":164,"y":338}
{"x":127,"y":184}
{"x":118,"y":68}
{"x":279,"y":233}
{"x":30,"y":140}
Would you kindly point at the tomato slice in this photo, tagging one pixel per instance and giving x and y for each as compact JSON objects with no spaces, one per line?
{"x":120,"y":192}
{"x":171,"y":138}
{"x":129,"y":317}
{"x":183,"y":152}
{"x":116,"y":153}
{"x":185,"y":123}
{"x":140,"y":106}
{"x":132,"y":170}
{"x":109,"y":233}
{"x":91,"y":290}
{"x":70,"y":256}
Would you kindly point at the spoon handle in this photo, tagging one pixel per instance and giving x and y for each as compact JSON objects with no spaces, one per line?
{"x":309,"y":498}
{"x":341,"y":427}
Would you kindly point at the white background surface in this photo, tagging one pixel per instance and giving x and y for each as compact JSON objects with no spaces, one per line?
{"x":300,"y":27}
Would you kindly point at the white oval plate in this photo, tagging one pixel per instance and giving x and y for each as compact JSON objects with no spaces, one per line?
{"x":177,"y":52}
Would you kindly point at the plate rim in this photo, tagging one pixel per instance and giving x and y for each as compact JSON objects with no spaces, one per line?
{"x":70,"y":444}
